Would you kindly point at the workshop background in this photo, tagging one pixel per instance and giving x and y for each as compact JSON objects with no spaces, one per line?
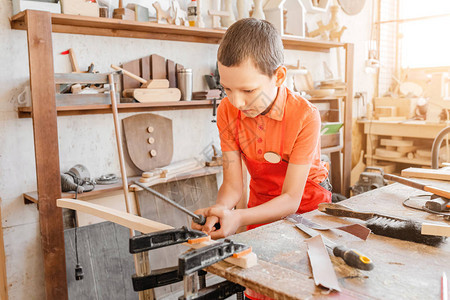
{"x":90,"y":139}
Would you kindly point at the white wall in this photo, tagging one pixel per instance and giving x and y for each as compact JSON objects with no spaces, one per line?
{"x":193,"y":130}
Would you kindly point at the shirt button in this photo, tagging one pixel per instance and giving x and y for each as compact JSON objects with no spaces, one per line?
{"x":260,"y":140}
{"x":259,"y":151}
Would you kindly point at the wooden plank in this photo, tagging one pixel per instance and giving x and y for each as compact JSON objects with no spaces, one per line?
{"x":135,"y":68}
{"x":82,"y":78}
{"x":83,"y":99}
{"x":435,"y":229}
{"x":158,"y":67}
{"x":125,"y":28}
{"x":40,"y":57}
{"x":145,"y":67}
{"x":3,"y":277}
{"x":171,"y":73}
{"x":396,"y":143}
{"x":347,"y":153}
{"x":439,"y":174}
{"x":141,"y":224}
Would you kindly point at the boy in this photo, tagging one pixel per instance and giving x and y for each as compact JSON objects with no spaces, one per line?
{"x":275,"y":132}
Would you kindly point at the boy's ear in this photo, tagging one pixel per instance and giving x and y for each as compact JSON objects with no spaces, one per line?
{"x":280,"y":75}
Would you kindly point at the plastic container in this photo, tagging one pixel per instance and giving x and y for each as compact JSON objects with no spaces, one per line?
{"x":192,"y":13}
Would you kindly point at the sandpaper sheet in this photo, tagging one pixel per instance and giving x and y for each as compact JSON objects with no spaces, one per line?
{"x":322,"y":268}
{"x":357,"y":230}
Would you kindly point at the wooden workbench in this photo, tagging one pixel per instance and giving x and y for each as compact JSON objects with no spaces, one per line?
{"x":403,"y":270}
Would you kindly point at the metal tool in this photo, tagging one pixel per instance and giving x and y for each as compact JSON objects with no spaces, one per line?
{"x":199,"y":219}
{"x":190,"y":264}
{"x":351,"y":257}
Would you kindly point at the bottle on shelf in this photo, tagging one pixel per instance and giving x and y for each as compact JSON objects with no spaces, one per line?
{"x":192,"y":13}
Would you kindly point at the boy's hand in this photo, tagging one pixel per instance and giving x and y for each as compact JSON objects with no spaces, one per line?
{"x":210,"y":220}
{"x":230,"y":221}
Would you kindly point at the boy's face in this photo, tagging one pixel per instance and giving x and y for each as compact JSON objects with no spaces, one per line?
{"x":248,"y":89}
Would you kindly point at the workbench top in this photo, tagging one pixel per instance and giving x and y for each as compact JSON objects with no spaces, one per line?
{"x":403,"y":270}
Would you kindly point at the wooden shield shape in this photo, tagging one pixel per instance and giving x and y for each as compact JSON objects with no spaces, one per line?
{"x":149,"y":140}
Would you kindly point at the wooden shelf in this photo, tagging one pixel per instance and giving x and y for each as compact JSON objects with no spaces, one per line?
{"x":404,"y":160}
{"x":102,"y":190}
{"x":72,"y":24}
{"x":25,"y":112}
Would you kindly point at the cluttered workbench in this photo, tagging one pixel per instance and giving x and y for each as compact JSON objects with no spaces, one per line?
{"x":403,"y":269}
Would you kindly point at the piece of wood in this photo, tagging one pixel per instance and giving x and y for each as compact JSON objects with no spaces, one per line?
{"x":145,"y":68}
{"x":132,"y":222}
{"x":158,"y":66}
{"x":124,"y":13}
{"x":171,"y":73}
{"x":396,"y":143}
{"x":40,"y":54}
{"x":3,"y":277}
{"x":136,"y":136}
{"x":357,"y":169}
{"x":129,"y":82}
{"x":80,"y":7}
{"x":435,"y":229}
{"x":439,"y":174}
{"x":73,"y":61}
{"x":147,"y":95}
{"x":387,"y":153}
{"x":406,"y":149}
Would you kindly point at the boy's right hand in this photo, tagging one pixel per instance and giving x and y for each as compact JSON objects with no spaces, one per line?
{"x":208,"y":227}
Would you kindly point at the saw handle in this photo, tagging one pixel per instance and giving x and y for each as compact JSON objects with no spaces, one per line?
{"x":353,"y":258}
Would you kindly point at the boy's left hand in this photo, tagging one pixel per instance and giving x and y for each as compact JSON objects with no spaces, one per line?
{"x":230,"y":221}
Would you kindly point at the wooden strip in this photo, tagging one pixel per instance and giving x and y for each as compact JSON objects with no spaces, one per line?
{"x":42,"y":83}
{"x":396,"y":143}
{"x":82,"y":78}
{"x":138,"y":223}
{"x":435,"y":229}
{"x":171,"y":73}
{"x":3,"y":277}
{"x":145,"y":67}
{"x":439,"y":174}
{"x":134,"y":68}
{"x":347,"y":151}
{"x":158,"y":66}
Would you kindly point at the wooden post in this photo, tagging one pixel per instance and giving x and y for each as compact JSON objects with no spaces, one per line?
{"x":42,"y":84}
{"x":347,"y":161}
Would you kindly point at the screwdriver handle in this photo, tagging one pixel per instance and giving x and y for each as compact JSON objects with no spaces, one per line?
{"x":353,"y":258}
{"x":201,"y":220}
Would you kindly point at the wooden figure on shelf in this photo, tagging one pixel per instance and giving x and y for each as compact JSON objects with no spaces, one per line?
{"x":330,"y":31}
{"x":229,"y":19}
{"x":180,"y":16}
{"x":242,"y":9}
{"x":162,"y":14}
{"x":221,"y":17}
{"x":278,"y":12}
{"x":123,"y":13}
{"x":258,"y":12}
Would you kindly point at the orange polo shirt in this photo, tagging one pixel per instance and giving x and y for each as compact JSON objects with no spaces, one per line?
{"x":263,"y":133}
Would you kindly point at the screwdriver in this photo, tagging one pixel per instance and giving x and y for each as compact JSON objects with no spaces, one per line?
{"x":199,"y":219}
{"x":351,"y":257}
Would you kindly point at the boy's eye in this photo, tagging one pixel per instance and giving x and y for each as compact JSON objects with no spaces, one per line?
{"x":248,"y":91}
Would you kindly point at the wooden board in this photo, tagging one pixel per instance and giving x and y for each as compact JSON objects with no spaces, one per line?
{"x":396,"y":143}
{"x":439,"y":174}
{"x":171,"y":73}
{"x":107,"y":264}
{"x":137,"y":135}
{"x":178,"y":68}
{"x":158,"y":67}
{"x":387,"y":153}
{"x":135,"y":68}
{"x":145,"y":68}
{"x":153,"y":95}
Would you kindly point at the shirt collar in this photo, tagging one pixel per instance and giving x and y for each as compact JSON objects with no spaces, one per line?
{"x":277,"y":110}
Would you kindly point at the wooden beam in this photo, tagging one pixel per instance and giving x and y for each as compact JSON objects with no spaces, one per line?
{"x":347,"y":161}
{"x":142,"y":224}
{"x":42,"y":83}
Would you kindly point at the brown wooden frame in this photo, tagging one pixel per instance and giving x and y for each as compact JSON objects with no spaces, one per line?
{"x":39,"y":26}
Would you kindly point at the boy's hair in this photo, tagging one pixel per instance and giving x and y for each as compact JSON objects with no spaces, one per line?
{"x":251,"y":38}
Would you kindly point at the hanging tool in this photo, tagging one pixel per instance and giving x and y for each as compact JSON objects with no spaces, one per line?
{"x":199,"y":219}
{"x":436,"y":204}
{"x":351,"y":257}
{"x":390,"y":226}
